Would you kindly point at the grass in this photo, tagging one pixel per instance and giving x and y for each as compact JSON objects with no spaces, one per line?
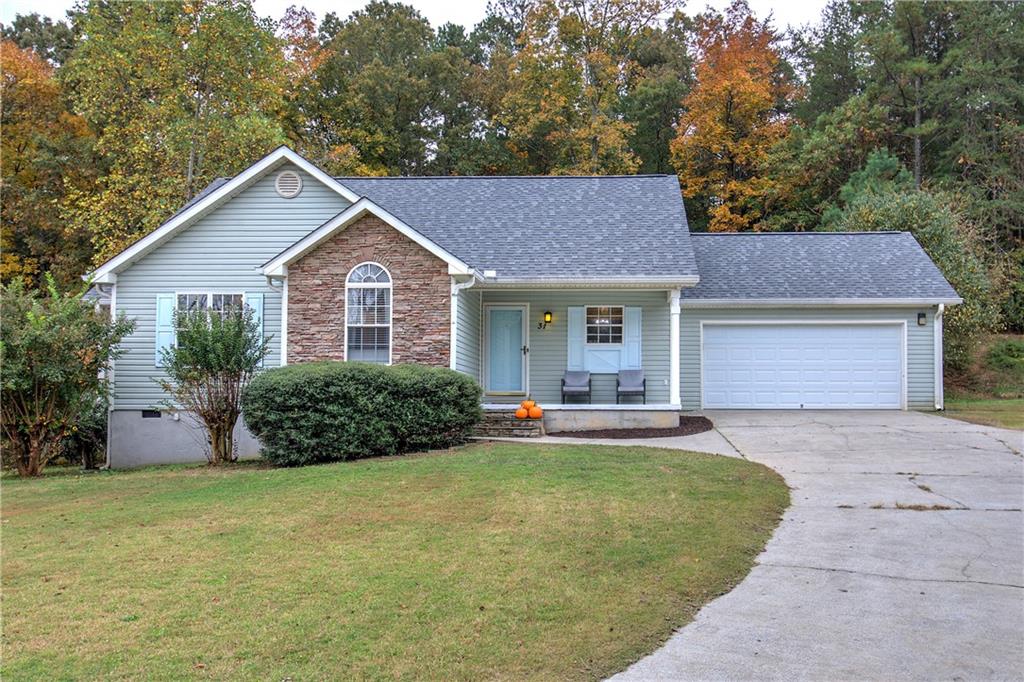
{"x":1007,"y":413}
{"x":991,"y":390}
{"x":493,"y":561}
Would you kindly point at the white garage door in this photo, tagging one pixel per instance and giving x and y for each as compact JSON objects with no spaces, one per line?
{"x":812,"y":366}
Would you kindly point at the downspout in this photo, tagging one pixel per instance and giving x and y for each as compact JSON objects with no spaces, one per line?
{"x":283,"y":290}
{"x":453,"y":333}
{"x":110,"y":404}
{"x":940,"y":398}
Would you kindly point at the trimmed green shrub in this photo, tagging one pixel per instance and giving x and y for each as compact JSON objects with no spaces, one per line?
{"x":333,"y":411}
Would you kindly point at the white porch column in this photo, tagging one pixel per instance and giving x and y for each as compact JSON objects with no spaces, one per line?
{"x":673,"y":381}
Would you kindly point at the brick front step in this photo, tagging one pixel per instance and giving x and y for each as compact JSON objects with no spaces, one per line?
{"x":503,"y":424}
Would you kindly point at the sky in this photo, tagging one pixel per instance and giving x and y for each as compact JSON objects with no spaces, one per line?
{"x":464,"y":12}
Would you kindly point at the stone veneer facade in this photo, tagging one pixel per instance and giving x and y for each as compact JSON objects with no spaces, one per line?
{"x":420,"y":295}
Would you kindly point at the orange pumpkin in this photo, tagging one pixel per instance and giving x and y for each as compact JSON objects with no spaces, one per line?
{"x":535,"y":412}
{"x":527,"y":404}
{"x":522,"y":413}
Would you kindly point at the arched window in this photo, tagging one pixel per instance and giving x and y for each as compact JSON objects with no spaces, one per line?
{"x":368,"y":314}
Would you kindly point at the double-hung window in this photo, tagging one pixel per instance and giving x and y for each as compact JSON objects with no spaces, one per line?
{"x":604,"y":324}
{"x":214,"y":303}
{"x":368,"y":314}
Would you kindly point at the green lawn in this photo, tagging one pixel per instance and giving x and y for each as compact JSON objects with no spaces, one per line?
{"x":1006,"y":413}
{"x":491,"y":561}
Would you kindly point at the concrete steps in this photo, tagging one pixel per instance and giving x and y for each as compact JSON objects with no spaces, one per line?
{"x":503,"y":424}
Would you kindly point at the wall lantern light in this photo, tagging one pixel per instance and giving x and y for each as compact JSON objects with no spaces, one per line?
{"x":547,"y":320}
{"x":922,"y":319}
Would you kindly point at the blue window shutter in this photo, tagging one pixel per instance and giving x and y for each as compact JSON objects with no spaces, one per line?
{"x":164,"y":325}
{"x":577,"y":323}
{"x":255,"y":303}
{"x":631,"y":338}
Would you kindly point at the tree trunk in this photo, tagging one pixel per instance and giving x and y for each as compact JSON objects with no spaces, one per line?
{"x":917,"y":133}
{"x":221,"y":444}
{"x":29,"y":461}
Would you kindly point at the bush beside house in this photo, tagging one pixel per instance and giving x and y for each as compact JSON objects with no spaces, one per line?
{"x":214,"y":358}
{"x":332,"y":411}
{"x":55,"y":352}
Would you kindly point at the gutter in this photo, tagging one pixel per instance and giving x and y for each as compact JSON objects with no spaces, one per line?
{"x":812,"y":302}
{"x":494,"y":282}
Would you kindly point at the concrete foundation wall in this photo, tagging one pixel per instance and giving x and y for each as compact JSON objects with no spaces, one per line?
{"x":137,"y":441}
{"x":587,"y":420}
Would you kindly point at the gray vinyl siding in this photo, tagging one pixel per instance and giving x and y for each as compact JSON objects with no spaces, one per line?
{"x":549,"y":347}
{"x":221,"y":252}
{"x":920,"y":343}
{"x":468,"y":335}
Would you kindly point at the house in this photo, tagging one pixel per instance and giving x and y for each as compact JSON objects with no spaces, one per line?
{"x":515,"y":280}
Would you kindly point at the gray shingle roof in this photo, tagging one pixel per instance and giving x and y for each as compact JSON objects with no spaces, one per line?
{"x":213,"y":186}
{"x":817,"y":265}
{"x":557,"y":227}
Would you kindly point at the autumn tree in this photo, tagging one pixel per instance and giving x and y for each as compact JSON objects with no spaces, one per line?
{"x":178,"y":93}
{"x":46,"y":151}
{"x":563,"y":106}
{"x":49,"y":39}
{"x":654,"y":101}
{"x":810,"y":165}
{"x":733,"y":116}
{"x":372,"y":88}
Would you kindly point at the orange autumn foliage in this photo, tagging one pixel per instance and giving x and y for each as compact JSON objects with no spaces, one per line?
{"x":732,"y":117}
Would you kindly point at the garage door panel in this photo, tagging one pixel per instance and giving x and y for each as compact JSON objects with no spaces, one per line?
{"x":784,"y":366}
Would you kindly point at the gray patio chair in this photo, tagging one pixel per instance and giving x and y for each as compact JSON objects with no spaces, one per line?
{"x":576,"y":384}
{"x":631,"y":382}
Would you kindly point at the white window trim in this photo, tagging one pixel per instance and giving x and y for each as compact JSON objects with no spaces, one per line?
{"x":391,"y":308}
{"x":609,"y":346}
{"x":904,"y":399}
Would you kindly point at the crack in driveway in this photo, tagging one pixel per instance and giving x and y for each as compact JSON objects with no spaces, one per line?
{"x":890,"y":577}
{"x":972,"y":616}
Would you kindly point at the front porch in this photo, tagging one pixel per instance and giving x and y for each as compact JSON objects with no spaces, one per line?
{"x":576,"y":417}
{"x":519,"y":343}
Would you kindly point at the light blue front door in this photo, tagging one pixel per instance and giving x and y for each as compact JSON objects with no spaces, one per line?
{"x":506,"y":341}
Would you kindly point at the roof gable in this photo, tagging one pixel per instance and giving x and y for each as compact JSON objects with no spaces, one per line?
{"x":548,"y":228}
{"x":278,"y":265}
{"x":214,"y":195}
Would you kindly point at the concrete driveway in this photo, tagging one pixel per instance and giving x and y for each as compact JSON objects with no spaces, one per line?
{"x":853,"y":587}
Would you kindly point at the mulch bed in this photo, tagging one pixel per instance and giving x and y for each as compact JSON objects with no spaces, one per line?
{"x":687,"y":427}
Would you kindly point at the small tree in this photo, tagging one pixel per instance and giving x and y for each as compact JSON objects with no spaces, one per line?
{"x":55,"y":353}
{"x":953,"y":243}
{"x":215,"y":357}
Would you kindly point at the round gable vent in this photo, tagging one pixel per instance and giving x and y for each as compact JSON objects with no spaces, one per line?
{"x":288,"y":184}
